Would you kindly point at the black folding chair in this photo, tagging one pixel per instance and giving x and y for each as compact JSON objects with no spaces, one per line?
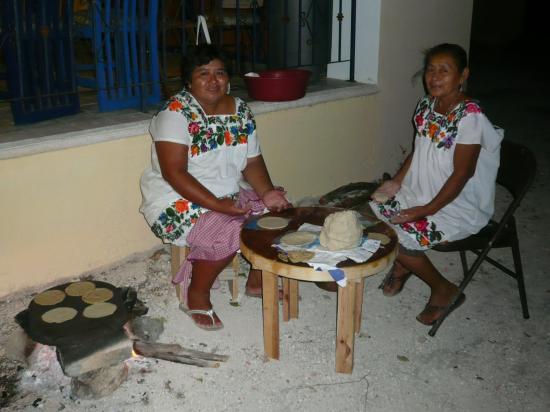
{"x":516,"y":174}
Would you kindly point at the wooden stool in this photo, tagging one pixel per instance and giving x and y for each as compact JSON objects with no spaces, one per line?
{"x":178,"y":255}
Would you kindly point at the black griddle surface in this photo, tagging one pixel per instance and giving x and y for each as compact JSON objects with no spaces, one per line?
{"x":78,"y":330}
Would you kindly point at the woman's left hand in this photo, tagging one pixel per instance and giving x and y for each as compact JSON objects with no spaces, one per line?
{"x":276,"y":200}
{"x":409,"y":215}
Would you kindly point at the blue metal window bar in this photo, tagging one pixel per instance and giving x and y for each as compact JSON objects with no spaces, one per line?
{"x":123,"y":34}
{"x":132,"y":42}
{"x":37,"y":48}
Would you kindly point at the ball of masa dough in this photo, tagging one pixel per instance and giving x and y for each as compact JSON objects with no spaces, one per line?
{"x":342,"y":230}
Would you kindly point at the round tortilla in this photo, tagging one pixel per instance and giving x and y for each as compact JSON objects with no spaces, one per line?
{"x":384,"y":240}
{"x":59,"y":315}
{"x":79,"y":288}
{"x":296,"y":256}
{"x":282,"y":256}
{"x":97,"y":295}
{"x":272,"y":222}
{"x":49,"y":297}
{"x":99,"y":310}
{"x":380,"y":197}
{"x":299,"y":238}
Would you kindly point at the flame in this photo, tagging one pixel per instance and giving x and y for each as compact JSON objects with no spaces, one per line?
{"x":135,"y":354}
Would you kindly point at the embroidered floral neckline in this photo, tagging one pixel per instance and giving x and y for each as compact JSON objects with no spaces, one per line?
{"x":451,"y":109}
{"x":210,"y":115}
{"x":440,"y":128}
{"x":212,"y":132}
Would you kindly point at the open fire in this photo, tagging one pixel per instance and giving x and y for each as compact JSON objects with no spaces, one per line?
{"x":95,"y":360}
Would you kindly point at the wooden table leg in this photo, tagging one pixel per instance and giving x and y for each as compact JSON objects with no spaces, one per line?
{"x":293,"y":298}
{"x":345,"y":336}
{"x":359,"y":290}
{"x":286,"y":299}
{"x":270,"y":303}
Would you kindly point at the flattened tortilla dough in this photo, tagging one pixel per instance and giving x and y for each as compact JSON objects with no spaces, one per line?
{"x":384,"y":240}
{"x":272,"y":222}
{"x":283,"y":256}
{"x":299,"y":238}
{"x":380,"y":197}
{"x":97,"y":295}
{"x":296,"y":256}
{"x":79,"y":288}
{"x":99,"y":310}
{"x":49,"y":297}
{"x":59,"y":315}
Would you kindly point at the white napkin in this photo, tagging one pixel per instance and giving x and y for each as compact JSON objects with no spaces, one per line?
{"x":326,"y":260}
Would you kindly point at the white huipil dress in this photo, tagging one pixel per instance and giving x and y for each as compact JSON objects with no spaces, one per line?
{"x":219,"y":147}
{"x":432,"y":164}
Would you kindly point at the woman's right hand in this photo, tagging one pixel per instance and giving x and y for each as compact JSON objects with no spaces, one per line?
{"x":386,"y":191}
{"x":276,"y":200}
{"x":229,"y":207}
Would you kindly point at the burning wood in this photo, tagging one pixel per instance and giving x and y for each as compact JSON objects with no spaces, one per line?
{"x":179,"y":354}
{"x":93,"y":352}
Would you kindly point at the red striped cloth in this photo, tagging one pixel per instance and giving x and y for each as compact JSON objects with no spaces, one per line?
{"x":215,"y":236}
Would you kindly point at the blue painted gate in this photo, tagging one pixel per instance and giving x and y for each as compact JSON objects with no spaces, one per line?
{"x":38,"y":54}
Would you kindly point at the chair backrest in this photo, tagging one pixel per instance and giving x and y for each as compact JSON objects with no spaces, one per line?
{"x":518,"y":167}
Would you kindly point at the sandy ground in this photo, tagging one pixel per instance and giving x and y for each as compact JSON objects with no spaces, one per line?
{"x":484,"y":357}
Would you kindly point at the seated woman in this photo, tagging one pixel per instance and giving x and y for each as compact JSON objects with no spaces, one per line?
{"x":445,"y":189}
{"x":204,"y":143}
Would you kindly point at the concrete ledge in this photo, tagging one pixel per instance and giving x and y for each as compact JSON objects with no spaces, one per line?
{"x":333,"y":90}
{"x":67,"y":140}
{"x":316,"y":97}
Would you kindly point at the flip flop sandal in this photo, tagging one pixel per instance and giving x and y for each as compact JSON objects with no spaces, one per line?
{"x":209,"y":312}
{"x":393,"y":285}
{"x":433,"y":308}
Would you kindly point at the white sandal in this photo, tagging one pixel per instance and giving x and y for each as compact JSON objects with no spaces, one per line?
{"x":209,"y":312}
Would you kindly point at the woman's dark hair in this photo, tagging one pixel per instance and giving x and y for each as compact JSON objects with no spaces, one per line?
{"x":457,"y":53}
{"x":199,"y":56}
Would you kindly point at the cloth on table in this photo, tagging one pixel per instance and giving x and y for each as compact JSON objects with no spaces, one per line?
{"x":327,"y":260}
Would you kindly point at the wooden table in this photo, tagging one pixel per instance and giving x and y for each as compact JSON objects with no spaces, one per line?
{"x":256,"y":248}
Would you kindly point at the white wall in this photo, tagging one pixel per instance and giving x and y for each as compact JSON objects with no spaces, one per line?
{"x":391,"y":36}
{"x":367,"y":41}
{"x":69,"y":211}
{"x":407,"y":28}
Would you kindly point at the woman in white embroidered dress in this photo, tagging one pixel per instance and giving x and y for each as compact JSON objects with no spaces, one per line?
{"x":204,"y":143}
{"x":445,"y":189}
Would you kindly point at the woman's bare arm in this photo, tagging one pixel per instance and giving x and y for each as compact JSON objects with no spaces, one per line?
{"x":256,"y":174}
{"x":400,"y":175}
{"x":389,"y":188}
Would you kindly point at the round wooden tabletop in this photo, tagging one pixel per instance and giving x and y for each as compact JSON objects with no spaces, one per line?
{"x":256,"y":247}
